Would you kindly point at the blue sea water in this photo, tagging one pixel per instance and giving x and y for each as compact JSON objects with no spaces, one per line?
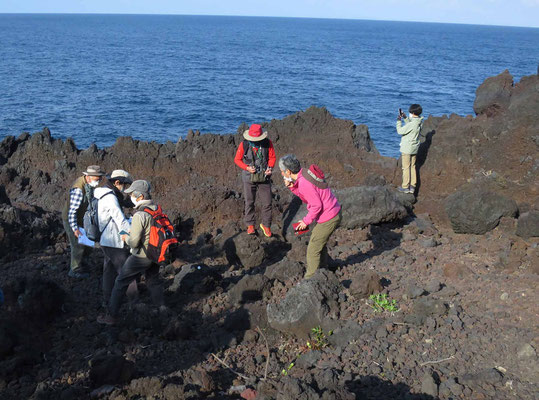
{"x":97,"y":77}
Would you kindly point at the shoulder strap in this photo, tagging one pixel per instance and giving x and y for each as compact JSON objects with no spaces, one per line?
{"x":152,"y":212}
{"x":246,"y":147}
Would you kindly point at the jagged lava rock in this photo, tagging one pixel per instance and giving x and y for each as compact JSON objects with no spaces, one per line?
{"x":478,"y":211}
{"x":306,"y":305}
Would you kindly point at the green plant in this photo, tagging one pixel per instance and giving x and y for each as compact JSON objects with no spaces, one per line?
{"x":380,"y":303}
{"x":319,"y":339}
{"x":286,"y":370}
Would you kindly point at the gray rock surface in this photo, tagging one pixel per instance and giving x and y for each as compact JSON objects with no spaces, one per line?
{"x":478,"y":211}
{"x":494,"y":94}
{"x":365,"y":205}
{"x":250,"y":288}
{"x":528,"y":224}
{"x":306,"y":305}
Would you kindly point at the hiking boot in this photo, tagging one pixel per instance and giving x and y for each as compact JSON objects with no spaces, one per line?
{"x":251,"y":230}
{"x":266,"y":230}
{"x":403,"y":190}
{"x":78,"y":275}
{"x":106,"y":319}
{"x":411,"y":189}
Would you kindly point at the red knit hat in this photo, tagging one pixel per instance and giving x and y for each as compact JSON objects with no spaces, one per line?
{"x":316,"y":176}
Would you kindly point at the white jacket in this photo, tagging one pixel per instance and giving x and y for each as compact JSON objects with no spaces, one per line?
{"x":111,"y":218}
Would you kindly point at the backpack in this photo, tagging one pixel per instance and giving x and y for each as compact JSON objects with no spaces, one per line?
{"x":162,"y":237}
{"x":91,"y":219}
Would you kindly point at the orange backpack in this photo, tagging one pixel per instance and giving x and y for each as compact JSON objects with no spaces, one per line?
{"x":162,"y":237}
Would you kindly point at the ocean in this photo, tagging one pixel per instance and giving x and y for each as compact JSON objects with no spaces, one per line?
{"x":154,"y":77}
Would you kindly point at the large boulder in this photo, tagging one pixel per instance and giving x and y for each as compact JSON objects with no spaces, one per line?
{"x":195,"y":278}
{"x":306,"y":305}
{"x":494,"y":94}
{"x":110,"y":369}
{"x":365,"y":205}
{"x":40,"y":299}
{"x":246,"y":250}
{"x":528,"y":224}
{"x":478,"y":210}
{"x":284,"y":270}
{"x":250,"y":288}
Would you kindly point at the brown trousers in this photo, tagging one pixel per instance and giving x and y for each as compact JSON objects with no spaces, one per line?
{"x":249,"y":193}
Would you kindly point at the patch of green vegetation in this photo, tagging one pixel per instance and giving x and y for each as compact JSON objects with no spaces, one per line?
{"x":381,"y":303}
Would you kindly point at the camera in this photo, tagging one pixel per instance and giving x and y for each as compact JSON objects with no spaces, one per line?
{"x":401,"y":113}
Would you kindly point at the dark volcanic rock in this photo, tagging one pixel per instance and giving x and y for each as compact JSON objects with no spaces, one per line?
{"x":284,"y":270}
{"x":528,"y":224}
{"x":364,"y":284}
{"x":195,"y":278}
{"x":247,"y":250}
{"x":40,"y":299}
{"x":494,"y":94}
{"x":423,"y":308}
{"x":364,"y":205}
{"x":490,"y":375}
{"x":362,"y":138}
{"x":249,"y":288}
{"x":478,"y":211}
{"x":111,"y":369}
{"x":305,"y":305}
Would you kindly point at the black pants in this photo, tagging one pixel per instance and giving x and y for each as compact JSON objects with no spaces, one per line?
{"x":264,"y":193}
{"x":114,"y":260}
{"x":129,"y":272}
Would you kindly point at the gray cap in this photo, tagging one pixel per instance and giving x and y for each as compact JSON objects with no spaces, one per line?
{"x":139,"y":187}
{"x":121,"y":175}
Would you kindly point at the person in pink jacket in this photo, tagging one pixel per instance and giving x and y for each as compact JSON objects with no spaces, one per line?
{"x":322,"y":205}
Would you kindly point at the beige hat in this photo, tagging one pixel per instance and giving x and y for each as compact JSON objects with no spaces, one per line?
{"x":94,"y":170}
{"x":121,"y":175}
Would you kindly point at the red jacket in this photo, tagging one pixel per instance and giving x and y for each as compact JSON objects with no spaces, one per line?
{"x":239,"y":156}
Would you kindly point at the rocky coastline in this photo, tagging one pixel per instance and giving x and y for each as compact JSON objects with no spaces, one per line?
{"x":461,"y":261}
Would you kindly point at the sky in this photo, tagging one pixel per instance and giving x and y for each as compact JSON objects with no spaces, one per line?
{"x":485,"y":12}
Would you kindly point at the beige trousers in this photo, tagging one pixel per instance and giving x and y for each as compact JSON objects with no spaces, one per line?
{"x":409,"y":177}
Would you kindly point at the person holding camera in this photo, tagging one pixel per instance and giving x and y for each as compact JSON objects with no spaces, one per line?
{"x":256,"y":157}
{"x":409,"y":146}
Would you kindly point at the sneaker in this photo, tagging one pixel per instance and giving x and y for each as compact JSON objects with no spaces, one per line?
{"x":106,"y":319}
{"x":403,"y":190}
{"x":78,"y":275}
{"x":266,"y":230}
{"x":411,"y":189}
{"x":251,"y":230}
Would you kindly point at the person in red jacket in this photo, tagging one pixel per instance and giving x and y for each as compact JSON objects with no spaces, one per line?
{"x":256,"y":157}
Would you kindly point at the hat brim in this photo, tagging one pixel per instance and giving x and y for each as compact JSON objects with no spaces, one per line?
{"x":309,"y":178}
{"x":94,"y":173}
{"x":129,"y":190}
{"x":246,"y":136}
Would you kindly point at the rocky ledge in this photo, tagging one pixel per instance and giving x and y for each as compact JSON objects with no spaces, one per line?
{"x":452,"y":273}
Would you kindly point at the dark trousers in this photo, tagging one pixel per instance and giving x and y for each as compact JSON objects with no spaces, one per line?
{"x":114,"y":259}
{"x":264,"y":193}
{"x":131,"y":269}
{"x":79,"y":252}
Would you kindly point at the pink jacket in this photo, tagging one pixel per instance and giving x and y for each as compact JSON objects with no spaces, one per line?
{"x":321,"y":203}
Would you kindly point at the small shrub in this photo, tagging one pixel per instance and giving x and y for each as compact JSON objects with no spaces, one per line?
{"x":381,"y":303}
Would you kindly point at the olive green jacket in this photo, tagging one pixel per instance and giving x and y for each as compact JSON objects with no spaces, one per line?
{"x":410,"y":134}
{"x":139,"y":236}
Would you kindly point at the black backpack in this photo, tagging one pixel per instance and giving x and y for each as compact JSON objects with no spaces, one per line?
{"x":91,"y":219}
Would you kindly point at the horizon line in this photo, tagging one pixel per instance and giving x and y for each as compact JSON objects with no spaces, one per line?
{"x":271,"y":16}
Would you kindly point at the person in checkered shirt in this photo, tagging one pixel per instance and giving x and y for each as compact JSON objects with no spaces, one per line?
{"x":80,"y":194}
